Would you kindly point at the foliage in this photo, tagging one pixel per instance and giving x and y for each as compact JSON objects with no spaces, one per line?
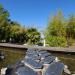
{"x":70,"y":41}
{"x":33,"y":35}
{"x":13,"y":32}
{"x":59,"y":32}
{"x":56,"y":41}
{"x":56,"y":31}
{"x":18,"y":33}
{"x":70,"y":28}
{"x":56,"y":26}
{"x":4,"y":25}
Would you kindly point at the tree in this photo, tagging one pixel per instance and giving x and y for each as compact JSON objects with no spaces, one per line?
{"x":56,"y":30}
{"x":33,"y":36}
{"x":14,"y":32}
{"x":4,"y":26}
{"x":56,"y":25}
{"x":70,"y":28}
{"x":18,"y":33}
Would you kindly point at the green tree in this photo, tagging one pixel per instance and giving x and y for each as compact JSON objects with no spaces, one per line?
{"x":4,"y":25}
{"x":56,"y":30}
{"x":33,"y":36}
{"x":70,"y":30}
{"x":14,"y":32}
{"x":18,"y":33}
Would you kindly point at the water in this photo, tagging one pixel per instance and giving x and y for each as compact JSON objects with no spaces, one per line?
{"x":11,"y":57}
{"x":14,"y":55}
{"x":67,"y":59}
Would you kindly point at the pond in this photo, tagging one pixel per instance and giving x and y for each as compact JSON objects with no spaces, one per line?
{"x":14,"y":55}
{"x":11,"y":57}
{"x":67,"y":59}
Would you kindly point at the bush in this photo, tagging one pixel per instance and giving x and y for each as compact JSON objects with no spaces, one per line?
{"x":56,"y":41}
{"x":70,"y":42}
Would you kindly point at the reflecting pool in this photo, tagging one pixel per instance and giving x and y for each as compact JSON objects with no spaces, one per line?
{"x":14,"y":55}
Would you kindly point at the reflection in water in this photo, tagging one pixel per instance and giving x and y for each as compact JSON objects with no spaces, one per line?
{"x":68,"y":60}
{"x":12,"y":56}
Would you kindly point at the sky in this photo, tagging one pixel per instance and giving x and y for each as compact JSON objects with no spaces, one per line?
{"x":36,"y":13}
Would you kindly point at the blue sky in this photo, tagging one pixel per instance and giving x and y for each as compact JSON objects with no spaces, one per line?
{"x":35,"y":13}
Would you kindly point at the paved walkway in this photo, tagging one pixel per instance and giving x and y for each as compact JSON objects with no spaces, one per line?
{"x":56,"y":49}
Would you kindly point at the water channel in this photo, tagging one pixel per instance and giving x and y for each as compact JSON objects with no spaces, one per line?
{"x":14,"y":55}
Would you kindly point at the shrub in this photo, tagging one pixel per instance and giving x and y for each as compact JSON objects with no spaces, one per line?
{"x":70,"y":42}
{"x":56,"y":41}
